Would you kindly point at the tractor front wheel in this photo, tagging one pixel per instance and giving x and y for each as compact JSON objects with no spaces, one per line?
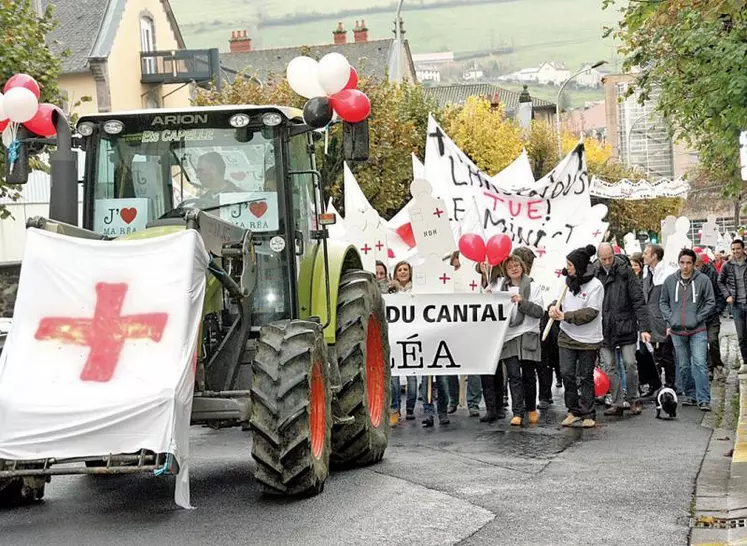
{"x":291,"y":415}
{"x":363,"y":359}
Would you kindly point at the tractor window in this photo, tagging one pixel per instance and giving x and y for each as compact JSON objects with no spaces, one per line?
{"x":304,"y":205}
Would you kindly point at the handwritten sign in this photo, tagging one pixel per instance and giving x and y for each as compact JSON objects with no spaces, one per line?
{"x":436,"y":334}
{"x":117,"y":217}
{"x":256,"y":211}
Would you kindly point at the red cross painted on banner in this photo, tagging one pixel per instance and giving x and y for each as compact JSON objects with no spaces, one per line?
{"x":379,"y":245}
{"x":438,"y":212}
{"x":366,"y":249}
{"x":105,"y":333}
{"x":558,"y":272}
{"x":597,"y":233}
{"x":541,"y":251}
{"x":443,"y":278}
{"x":473,"y":285}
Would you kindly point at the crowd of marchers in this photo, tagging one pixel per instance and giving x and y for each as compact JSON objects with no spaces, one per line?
{"x":648,"y":324}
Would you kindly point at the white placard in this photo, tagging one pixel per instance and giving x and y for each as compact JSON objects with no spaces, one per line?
{"x":710,"y":234}
{"x":117,"y":217}
{"x":446,"y":334}
{"x":256,"y":211}
{"x":430,"y":222}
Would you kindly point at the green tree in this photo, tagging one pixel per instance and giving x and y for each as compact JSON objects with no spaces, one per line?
{"x":23,"y":49}
{"x":694,"y":51}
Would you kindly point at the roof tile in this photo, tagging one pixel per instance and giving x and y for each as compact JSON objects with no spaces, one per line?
{"x":459,"y":93}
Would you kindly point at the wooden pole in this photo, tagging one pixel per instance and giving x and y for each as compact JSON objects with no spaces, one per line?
{"x":551,"y":321}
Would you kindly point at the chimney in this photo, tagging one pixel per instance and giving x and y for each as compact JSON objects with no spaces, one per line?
{"x":360,"y":31}
{"x":340,"y":34}
{"x":239,"y":43}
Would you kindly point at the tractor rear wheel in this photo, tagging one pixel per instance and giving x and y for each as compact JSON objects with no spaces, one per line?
{"x":19,"y":491}
{"x":291,"y":415}
{"x":363,"y":359}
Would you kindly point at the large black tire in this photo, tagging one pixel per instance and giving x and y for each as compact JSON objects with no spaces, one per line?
{"x":291,"y":415}
{"x":363,"y":359}
{"x":14,"y":493}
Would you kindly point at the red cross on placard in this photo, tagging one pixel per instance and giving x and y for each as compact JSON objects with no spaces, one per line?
{"x":597,"y":233}
{"x":105,"y":333}
{"x":366,"y":249}
{"x":379,"y":245}
{"x":473,"y":285}
{"x":443,"y":278}
{"x":541,"y":252}
{"x":438,"y":212}
{"x":558,"y":272}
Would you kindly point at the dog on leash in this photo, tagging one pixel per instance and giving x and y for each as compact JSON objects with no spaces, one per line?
{"x":666,"y":401}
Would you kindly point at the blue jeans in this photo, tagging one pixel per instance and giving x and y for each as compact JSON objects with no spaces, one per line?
{"x":412,"y":393}
{"x":439,"y":390}
{"x":692,"y":356}
{"x":739,"y":312}
{"x":474,"y":391}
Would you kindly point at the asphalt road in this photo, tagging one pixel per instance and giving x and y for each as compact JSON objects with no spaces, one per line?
{"x":628,"y":481}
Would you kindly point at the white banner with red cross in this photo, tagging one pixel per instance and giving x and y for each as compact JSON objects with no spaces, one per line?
{"x":100,"y":357}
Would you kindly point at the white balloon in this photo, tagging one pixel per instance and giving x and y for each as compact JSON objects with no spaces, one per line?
{"x":303,"y":77}
{"x":20,"y":104}
{"x":7,"y":137}
{"x":334,"y":73}
{"x":3,"y":115}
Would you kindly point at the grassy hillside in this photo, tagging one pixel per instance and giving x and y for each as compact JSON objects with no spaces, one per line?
{"x":569,"y":31}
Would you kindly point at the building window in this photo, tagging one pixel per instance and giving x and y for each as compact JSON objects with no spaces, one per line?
{"x":147,"y":44}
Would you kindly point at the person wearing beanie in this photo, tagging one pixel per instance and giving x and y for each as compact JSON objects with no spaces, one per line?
{"x":580,"y":337}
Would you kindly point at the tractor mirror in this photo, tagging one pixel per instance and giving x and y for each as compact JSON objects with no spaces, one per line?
{"x":17,"y":159}
{"x":355,"y":141}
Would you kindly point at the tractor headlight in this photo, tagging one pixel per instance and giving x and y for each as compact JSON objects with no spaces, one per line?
{"x":113,"y":127}
{"x":272,"y":119}
{"x":238,"y":121}
{"x":85,"y":128}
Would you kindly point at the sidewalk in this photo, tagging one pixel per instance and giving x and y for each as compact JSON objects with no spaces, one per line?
{"x":720,"y":507}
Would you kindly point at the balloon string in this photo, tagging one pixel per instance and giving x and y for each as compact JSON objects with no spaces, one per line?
{"x":13,"y":152}
{"x":326,"y":140}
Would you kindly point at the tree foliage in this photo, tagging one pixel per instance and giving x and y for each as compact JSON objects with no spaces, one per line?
{"x":695,"y":52}
{"x":397,"y":128}
{"x":23,"y":49}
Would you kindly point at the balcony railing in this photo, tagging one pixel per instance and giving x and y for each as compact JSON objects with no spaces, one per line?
{"x":180,"y":66}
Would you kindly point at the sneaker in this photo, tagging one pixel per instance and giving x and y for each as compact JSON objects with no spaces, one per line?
{"x":608,"y":400}
{"x":443,"y":419}
{"x":410,"y":416}
{"x":474,"y":413}
{"x":589,"y":423}
{"x":569,"y":420}
{"x":489,"y":418}
{"x":704,"y":406}
{"x":534,"y":417}
{"x":635,"y":409}
{"x":516,"y":421}
{"x":393,"y":419}
{"x":614,"y":412}
{"x":427,"y":422}
{"x":689,"y":402}
{"x":452,"y":409}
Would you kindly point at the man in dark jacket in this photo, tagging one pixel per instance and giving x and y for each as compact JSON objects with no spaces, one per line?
{"x":687,"y":301}
{"x":624,"y":314}
{"x":733,"y":284}
{"x":655,"y":274}
{"x":713,"y":323}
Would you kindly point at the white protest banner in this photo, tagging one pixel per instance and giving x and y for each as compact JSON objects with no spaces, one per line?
{"x":418,"y":169}
{"x":116,"y":217}
{"x":550,"y":208}
{"x":257,"y":211}
{"x":446,"y":334}
{"x":518,"y":176}
{"x":643,"y":189}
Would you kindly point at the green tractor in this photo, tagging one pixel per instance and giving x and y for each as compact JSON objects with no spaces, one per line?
{"x":294,"y":339}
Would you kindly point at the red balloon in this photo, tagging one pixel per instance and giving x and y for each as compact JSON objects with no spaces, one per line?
{"x":472,"y":247}
{"x":697,"y":250}
{"x":3,"y":124}
{"x":705,"y":258}
{"x":405,"y":233}
{"x":22,"y":80}
{"x":42,"y":123}
{"x":499,"y":247}
{"x":353,"y":81}
{"x":601,"y":382}
{"x":351,"y":105}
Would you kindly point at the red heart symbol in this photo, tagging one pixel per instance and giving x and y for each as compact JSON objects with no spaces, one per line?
{"x":128,"y":215}
{"x":238,"y":176}
{"x":258,"y":208}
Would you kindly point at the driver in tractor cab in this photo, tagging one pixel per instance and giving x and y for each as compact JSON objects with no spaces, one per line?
{"x":211,"y":171}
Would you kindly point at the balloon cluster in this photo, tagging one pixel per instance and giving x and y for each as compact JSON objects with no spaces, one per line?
{"x":330,"y":85}
{"x":20,"y":105}
{"x":493,"y":253}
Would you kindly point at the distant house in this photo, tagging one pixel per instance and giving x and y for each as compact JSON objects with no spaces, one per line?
{"x":105,"y":39}
{"x":552,"y":73}
{"x":428,"y":72}
{"x":591,"y":78}
{"x":370,"y":57}
{"x":591,"y":121}
{"x":459,"y":93}
{"x":441,"y":58}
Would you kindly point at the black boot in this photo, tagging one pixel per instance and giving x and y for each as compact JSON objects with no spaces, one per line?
{"x":491,"y":402}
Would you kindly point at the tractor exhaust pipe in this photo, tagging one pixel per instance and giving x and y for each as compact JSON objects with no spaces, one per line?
{"x":63,"y":202}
